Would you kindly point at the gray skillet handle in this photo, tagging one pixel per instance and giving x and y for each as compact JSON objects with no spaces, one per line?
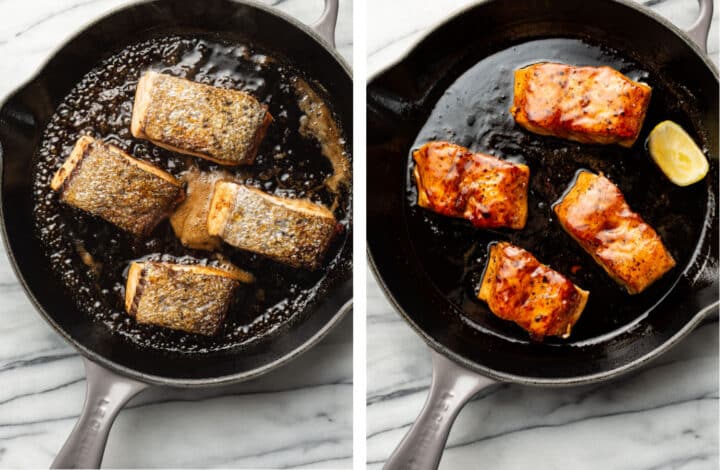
{"x":325,"y":26}
{"x":451,"y":388}
{"x":699,"y":31}
{"x":107,"y":392}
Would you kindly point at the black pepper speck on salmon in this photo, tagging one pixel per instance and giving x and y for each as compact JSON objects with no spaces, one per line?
{"x":103,"y":180}
{"x":218,"y":124}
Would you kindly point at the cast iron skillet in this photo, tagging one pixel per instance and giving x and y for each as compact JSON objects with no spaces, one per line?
{"x":456,"y":84}
{"x":116,"y":368}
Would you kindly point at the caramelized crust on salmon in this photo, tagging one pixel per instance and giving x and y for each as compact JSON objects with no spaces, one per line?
{"x":296,"y":232}
{"x":221,"y":125}
{"x":518,"y":288}
{"x":596,"y":105}
{"x":103,"y":180}
{"x":191,"y":298}
{"x":453,"y":181}
{"x":595,"y":214}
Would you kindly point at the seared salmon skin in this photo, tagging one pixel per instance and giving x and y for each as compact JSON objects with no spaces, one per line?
{"x":103,"y":180}
{"x":518,"y":288}
{"x":595,"y":214}
{"x":190,"y":298}
{"x":485,"y":190}
{"x":217,"y":124}
{"x":594,"y":105}
{"x":296,"y":232}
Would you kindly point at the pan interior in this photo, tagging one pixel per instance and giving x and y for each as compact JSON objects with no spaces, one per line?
{"x":474,"y":112}
{"x":288,"y":164}
{"x":90,"y":83}
{"x":458,"y":86}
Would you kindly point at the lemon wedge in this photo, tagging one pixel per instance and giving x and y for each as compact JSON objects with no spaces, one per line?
{"x":677,"y":154}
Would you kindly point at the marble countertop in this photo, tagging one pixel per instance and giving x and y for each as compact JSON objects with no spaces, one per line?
{"x":663,"y":417}
{"x":299,"y":416}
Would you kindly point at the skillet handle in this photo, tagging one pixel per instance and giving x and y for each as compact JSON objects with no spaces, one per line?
{"x":699,"y":31}
{"x":710,"y":313}
{"x":325,"y":26}
{"x":451,"y":388}
{"x":107,"y":392}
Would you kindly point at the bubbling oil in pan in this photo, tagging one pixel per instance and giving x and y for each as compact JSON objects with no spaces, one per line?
{"x":474,"y":112}
{"x":91,"y":256}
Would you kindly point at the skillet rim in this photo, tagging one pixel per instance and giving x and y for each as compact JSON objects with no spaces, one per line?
{"x":628,"y":3}
{"x":124,"y":371}
{"x":473,"y":366}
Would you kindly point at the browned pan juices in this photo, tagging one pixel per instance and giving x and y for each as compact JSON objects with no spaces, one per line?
{"x":474,"y":112}
{"x":287,"y":164}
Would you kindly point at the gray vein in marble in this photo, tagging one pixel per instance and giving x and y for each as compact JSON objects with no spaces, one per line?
{"x":46,"y":18}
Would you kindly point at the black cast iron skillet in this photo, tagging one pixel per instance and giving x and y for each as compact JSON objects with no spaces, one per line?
{"x":116,"y":368}
{"x":456,"y":85}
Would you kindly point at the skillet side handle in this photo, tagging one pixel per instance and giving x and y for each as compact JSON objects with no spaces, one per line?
{"x":699,"y":31}
{"x":325,"y":26}
{"x":107,"y":392}
{"x":451,"y":388}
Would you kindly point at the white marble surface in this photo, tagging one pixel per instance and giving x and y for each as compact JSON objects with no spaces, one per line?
{"x":663,"y":417}
{"x":297,"y":417}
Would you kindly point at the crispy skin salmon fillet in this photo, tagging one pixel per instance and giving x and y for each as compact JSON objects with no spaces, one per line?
{"x":595,"y":214}
{"x":221,"y":125}
{"x":191,"y":298}
{"x":105,"y":181}
{"x":593,"y":105}
{"x":517,"y":287}
{"x":296,"y":232}
{"x":453,"y":181}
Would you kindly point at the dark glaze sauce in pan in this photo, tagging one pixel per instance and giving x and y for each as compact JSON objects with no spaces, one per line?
{"x":287,"y":164}
{"x":474,"y":112}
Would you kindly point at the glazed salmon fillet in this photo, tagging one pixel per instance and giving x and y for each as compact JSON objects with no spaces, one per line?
{"x":594,"y":105}
{"x":518,"y":288}
{"x":595,"y":214}
{"x":453,"y":181}
{"x":296,"y":232}
{"x":217,"y":124}
{"x":103,"y":180}
{"x":190,"y":298}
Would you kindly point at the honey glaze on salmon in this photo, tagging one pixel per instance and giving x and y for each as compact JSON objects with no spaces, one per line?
{"x":91,"y":257}
{"x":471,"y":110}
{"x":487,"y":191}
{"x":586,"y":104}
{"x":518,"y":288}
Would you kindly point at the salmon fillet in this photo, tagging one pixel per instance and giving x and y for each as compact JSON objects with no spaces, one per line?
{"x":595,"y":214}
{"x":518,"y":288}
{"x":293,"y":231}
{"x":189,"y":221}
{"x":221,"y":125}
{"x":594,"y":105}
{"x":190,"y":298}
{"x":105,"y":181}
{"x":453,"y":181}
